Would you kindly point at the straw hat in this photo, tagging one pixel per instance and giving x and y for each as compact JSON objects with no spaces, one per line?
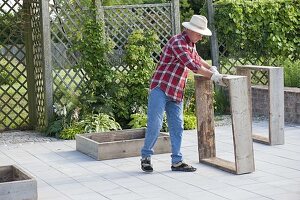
{"x":198,"y":23}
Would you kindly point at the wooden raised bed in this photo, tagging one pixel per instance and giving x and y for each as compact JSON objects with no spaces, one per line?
{"x":118,"y":144}
{"x":15,"y":184}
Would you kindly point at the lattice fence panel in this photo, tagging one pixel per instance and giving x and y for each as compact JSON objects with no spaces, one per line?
{"x":13,"y":84}
{"x":120,"y":22}
{"x":66,"y":20}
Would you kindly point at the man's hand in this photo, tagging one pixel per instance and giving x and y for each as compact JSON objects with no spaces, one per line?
{"x":218,"y":78}
{"x":214,"y":69}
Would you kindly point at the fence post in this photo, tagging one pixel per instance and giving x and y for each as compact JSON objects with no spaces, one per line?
{"x":176,"y":17}
{"x":46,"y":60}
{"x":30,"y":66}
{"x":213,"y":38}
{"x":99,"y":10}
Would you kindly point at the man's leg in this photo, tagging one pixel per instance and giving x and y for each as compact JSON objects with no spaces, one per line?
{"x":174,"y":112}
{"x":156,"y":107}
{"x":175,"y":122}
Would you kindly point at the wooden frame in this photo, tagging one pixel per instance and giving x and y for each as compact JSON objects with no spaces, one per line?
{"x":119,"y":144}
{"x":276,"y":102}
{"x":241,"y":124}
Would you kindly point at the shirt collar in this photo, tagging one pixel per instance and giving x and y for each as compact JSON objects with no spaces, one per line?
{"x":187,"y":39}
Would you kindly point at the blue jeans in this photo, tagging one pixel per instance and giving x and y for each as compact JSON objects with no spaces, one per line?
{"x":158,"y":102}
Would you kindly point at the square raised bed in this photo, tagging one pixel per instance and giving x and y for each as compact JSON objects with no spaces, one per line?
{"x":15,"y":184}
{"x":119,"y":144}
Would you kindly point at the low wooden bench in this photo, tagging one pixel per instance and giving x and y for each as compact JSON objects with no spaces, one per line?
{"x":276,"y":102}
{"x":241,"y":124}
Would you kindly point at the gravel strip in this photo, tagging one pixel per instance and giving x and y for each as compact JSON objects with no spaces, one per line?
{"x":16,"y":137}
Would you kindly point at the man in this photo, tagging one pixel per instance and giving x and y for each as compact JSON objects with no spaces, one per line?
{"x":167,"y":87}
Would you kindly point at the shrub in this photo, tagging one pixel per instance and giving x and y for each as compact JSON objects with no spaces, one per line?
{"x":221,"y":101}
{"x":139,"y":120}
{"x":94,"y":48}
{"x":291,"y":73}
{"x":99,"y":123}
{"x":190,"y":121}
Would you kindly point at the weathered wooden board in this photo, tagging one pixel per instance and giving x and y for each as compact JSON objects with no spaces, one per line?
{"x":205,"y":113}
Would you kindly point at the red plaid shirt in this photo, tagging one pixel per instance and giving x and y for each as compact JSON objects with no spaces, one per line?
{"x":178,"y":56}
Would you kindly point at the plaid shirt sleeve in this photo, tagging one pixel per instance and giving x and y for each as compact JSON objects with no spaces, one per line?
{"x":187,"y":55}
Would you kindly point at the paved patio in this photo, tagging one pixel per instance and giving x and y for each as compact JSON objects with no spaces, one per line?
{"x":65,"y":174}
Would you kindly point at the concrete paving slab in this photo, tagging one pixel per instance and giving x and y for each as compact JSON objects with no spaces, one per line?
{"x":63,"y":173}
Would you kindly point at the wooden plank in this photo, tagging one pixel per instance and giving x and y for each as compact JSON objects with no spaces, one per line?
{"x":260,"y":139}
{"x":256,"y":67}
{"x":241,"y":123}
{"x":205,"y":117}
{"x":247,"y":72}
{"x":220,"y":164}
{"x":276,"y":96}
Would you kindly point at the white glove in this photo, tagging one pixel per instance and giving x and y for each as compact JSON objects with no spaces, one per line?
{"x":214,"y":69}
{"x":218,"y":79}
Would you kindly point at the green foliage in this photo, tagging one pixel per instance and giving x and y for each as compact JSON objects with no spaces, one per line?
{"x":260,"y":31}
{"x":138,"y":120}
{"x":10,"y":26}
{"x":54,"y":128}
{"x":140,"y":46}
{"x":99,"y":123}
{"x":66,"y":113}
{"x":190,"y":121}
{"x":189,"y":96}
{"x":94,"y":49}
{"x":69,"y":133}
{"x":291,"y":72}
{"x":198,"y":6}
{"x":5,"y":79}
{"x":186,"y":12}
{"x":221,"y":101}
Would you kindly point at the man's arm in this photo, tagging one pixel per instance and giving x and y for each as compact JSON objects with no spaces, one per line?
{"x":205,"y":72}
{"x":205,"y":64}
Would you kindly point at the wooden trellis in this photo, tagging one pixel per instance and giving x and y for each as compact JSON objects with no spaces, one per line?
{"x":36,"y":54}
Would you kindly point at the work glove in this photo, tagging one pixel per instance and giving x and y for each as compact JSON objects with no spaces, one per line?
{"x":218,"y":78}
{"x":214,"y":69}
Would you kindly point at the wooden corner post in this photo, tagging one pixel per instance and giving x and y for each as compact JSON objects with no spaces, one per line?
{"x":241,"y":124}
{"x":276,"y":102}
